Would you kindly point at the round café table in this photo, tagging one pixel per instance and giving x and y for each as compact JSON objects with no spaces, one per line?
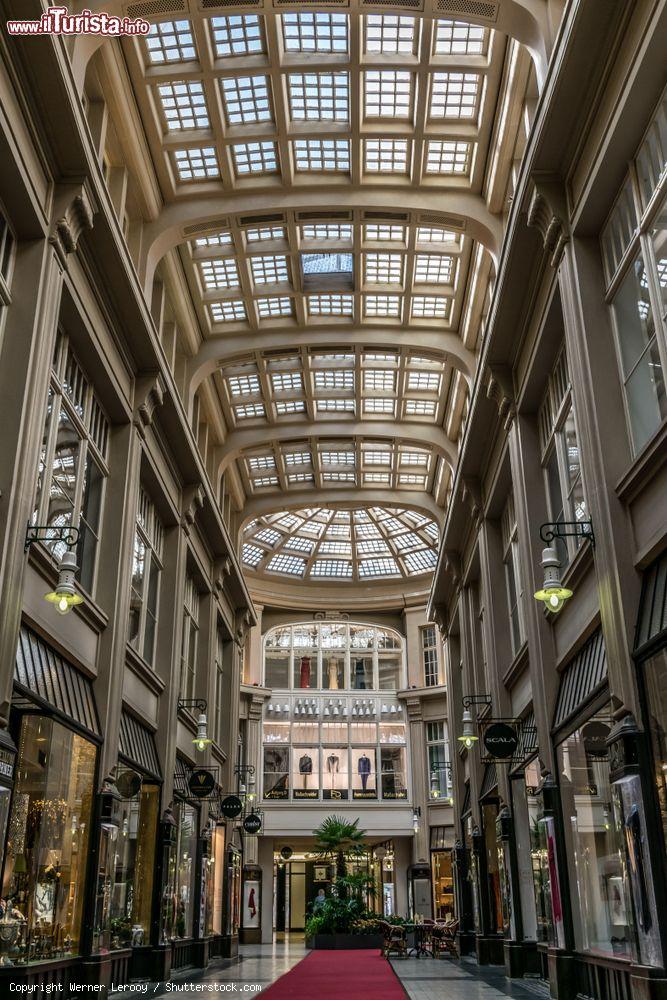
{"x":422,"y":938}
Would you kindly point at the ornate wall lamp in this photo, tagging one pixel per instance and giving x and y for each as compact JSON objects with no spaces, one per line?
{"x":553,"y":594}
{"x":64,"y":597}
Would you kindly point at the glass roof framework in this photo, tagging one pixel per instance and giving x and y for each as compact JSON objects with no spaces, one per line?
{"x":318,"y":102}
{"x":321,"y":544}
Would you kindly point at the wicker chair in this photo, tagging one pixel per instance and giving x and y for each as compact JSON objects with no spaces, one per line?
{"x":395,"y":940}
{"x":444,"y":939}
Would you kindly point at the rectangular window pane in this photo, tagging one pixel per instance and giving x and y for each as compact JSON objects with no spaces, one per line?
{"x":392,"y":773}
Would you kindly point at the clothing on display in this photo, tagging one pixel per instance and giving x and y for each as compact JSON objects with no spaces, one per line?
{"x":359,"y":675}
{"x":364,"y":769}
{"x":333,"y":673}
{"x":332,"y":763}
{"x":304,"y":676}
{"x":305,"y":768}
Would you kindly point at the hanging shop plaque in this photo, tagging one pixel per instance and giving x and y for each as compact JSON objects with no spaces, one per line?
{"x":252,"y":823}
{"x":595,"y":735}
{"x":501,"y":740}
{"x":201,"y":783}
{"x":128,"y":784}
{"x":231,"y":806}
{"x":286,"y":852}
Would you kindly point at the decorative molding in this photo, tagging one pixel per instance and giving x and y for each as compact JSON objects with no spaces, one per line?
{"x":149,"y":394}
{"x":499,"y":388}
{"x":74,"y":210}
{"x":221,"y":570}
{"x":193,"y":501}
{"x":547,"y":212}
{"x":471,"y":493}
{"x":242,"y":626}
{"x":452,"y":564}
{"x":413,"y":707}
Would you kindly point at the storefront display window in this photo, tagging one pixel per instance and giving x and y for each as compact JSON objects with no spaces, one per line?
{"x":334,"y":732}
{"x":47,"y":843}
{"x":214,"y":891}
{"x":389,"y":672}
{"x":655,"y":671}
{"x":186,"y":855}
{"x":125,"y":874}
{"x":276,"y":668}
{"x":233,"y":891}
{"x":305,"y":669}
{"x":335,"y":776}
{"x":332,"y":673}
{"x":539,"y":854}
{"x":600,"y":903}
{"x":392,"y":773}
{"x":276,"y":772}
{"x":305,"y":773}
{"x":364,"y":778}
{"x":491,"y":844}
{"x":443,"y":885}
{"x":473,"y":872}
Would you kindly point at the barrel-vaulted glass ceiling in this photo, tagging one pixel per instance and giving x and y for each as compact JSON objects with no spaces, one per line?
{"x":318,"y":543}
{"x":333,"y":190}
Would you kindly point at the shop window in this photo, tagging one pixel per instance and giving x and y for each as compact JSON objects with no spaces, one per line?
{"x":438,"y":759}
{"x":47,"y":843}
{"x":560,"y":457}
{"x":493,"y":868}
{"x":443,"y":885}
{"x":145,"y":583}
{"x":125,"y":874}
{"x":276,"y":773}
{"x":215,"y":883}
{"x":364,"y":774}
{"x":513,"y":575}
{"x":182,"y":874}
{"x":305,"y":773}
{"x":655,"y":671}
{"x":222,"y":692}
{"x":7,"y":245}
{"x":72,"y":464}
{"x":276,"y":668}
{"x":635,"y":260}
{"x":335,"y":776}
{"x":595,"y":845}
{"x":332,"y":672}
{"x":189,"y":639}
{"x":430,"y":655}
{"x":392,"y":773}
{"x":389,"y":672}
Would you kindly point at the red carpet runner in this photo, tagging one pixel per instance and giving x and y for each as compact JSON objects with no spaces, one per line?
{"x":338,"y":975}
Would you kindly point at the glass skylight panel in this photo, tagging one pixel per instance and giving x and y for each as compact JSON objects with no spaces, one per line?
{"x":421,"y":561}
{"x":335,"y":549}
{"x":459,"y":38}
{"x":387,"y":406}
{"x":336,"y":378}
{"x":411,"y":479}
{"x":414,"y":458}
{"x":196,"y":164}
{"x":373,"y":547}
{"x":219,"y":273}
{"x":249,"y":410}
{"x":321,"y":154}
{"x":286,"y":406}
{"x":390,"y":34}
{"x":384,"y":231}
{"x":327,"y":263}
{"x":297,"y":457}
{"x":420,"y":407}
{"x":268,"y":535}
{"x":430,"y":307}
{"x":319,"y":96}
{"x":276,"y":306}
{"x":377,"y":380}
{"x":260,"y":481}
{"x":183,"y":105}
{"x":237,"y":36}
{"x":338,"y":457}
{"x":332,"y":567}
{"x":388,"y":93}
{"x":448,"y":157}
{"x":383,"y":268}
{"x":339,"y":477}
{"x":214,"y":240}
{"x":382,"y":305}
{"x":424,"y":381}
{"x":454,"y":95}
{"x":367,"y":531}
{"x":287,"y":382}
{"x":269,"y":270}
{"x":327,"y":231}
{"x":289,"y":521}
{"x":260,"y":463}
{"x":228,"y":311}
{"x":389,"y":356}
{"x":378,"y":567}
{"x":330,"y":304}
{"x":255,"y":157}
{"x":434,"y":269}
{"x":317,"y":32}
{"x":265,"y":233}
{"x":252,"y":554}
{"x":243,"y":385}
{"x":300,"y":477}
{"x":386,"y":156}
{"x":335,"y":405}
{"x":246,"y":99}
{"x":433,"y":234}
{"x":286,"y":564}
{"x":170,"y":41}
{"x":373,"y":457}
{"x":298,"y":544}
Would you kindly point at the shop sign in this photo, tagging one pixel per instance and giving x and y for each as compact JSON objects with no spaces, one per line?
{"x":501,"y":740}
{"x":400,"y":793}
{"x":305,"y":793}
{"x":335,"y":793}
{"x":277,"y":793}
{"x":128,"y":784}
{"x":252,"y":823}
{"x":595,"y":735}
{"x":359,"y":794}
{"x":286,"y":852}
{"x":201,"y":783}
{"x":231,"y":806}
{"x":7,"y":765}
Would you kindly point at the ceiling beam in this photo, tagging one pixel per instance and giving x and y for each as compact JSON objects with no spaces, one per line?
{"x":339,"y":499}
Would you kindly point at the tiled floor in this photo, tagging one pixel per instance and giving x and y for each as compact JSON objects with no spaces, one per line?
{"x":259,"y":965}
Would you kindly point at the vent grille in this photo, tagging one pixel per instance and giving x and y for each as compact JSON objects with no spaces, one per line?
{"x":411,"y":4}
{"x":254,"y":220}
{"x":323,"y":216}
{"x":311,"y":3}
{"x":154,"y":8}
{"x":224,"y":4}
{"x":394,"y":216}
{"x":471,"y":8}
{"x":443,"y":220}
{"x":206,"y":227}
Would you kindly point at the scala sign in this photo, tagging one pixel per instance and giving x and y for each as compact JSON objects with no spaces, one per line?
{"x":500,"y":740}
{"x":201,"y":783}
{"x":231,"y":806}
{"x":252,"y":823}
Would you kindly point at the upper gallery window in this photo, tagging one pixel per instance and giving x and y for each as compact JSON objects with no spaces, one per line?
{"x":145,"y":583}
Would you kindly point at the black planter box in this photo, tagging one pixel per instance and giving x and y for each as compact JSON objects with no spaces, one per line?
{"x":345,"y":942}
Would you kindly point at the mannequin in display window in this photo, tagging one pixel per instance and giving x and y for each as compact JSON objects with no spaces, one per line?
{"x":333,"y":767}
{"x":359,"y":675}
{"x":333,"y":673}
{"x":364,"y":769}
{"x":304,"y":676}
{"x":305,"y":768}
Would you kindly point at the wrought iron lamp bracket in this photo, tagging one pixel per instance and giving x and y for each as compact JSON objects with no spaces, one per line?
{"x":199,"y":703}
{"x":50,"y":533}
{"x":563,"y":529}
